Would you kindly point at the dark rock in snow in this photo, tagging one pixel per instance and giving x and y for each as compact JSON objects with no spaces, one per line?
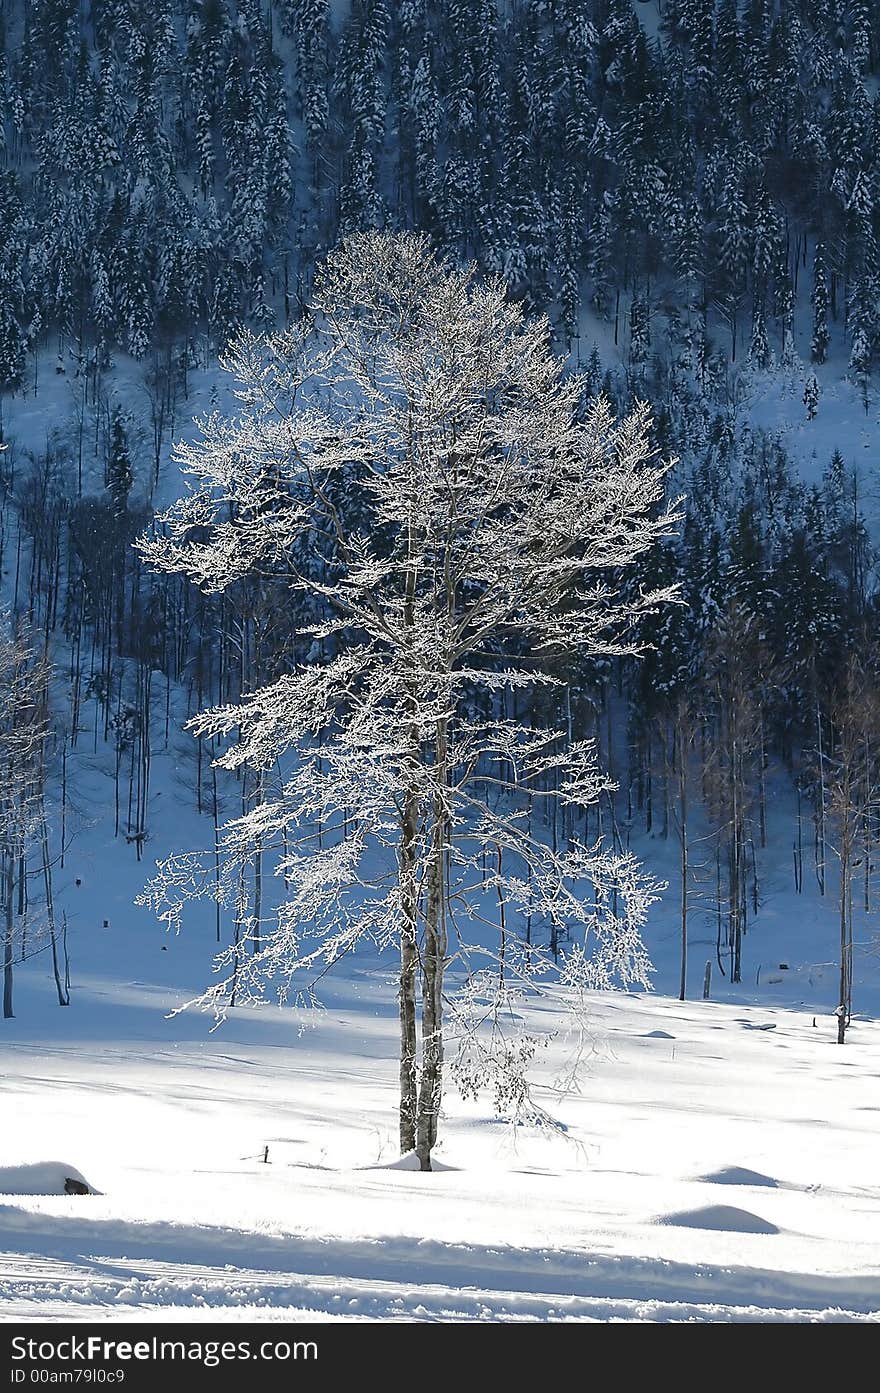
{"x":44,"y":1178}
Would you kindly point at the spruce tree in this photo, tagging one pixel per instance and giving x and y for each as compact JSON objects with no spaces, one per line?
{"x":819,"y":341}
{"x":120,"y":475}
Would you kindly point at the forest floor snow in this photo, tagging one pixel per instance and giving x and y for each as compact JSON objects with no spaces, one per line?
{"x":707,"y":1170}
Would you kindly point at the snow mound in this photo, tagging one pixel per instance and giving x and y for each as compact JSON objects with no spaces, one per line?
{"x":44,"y":1178}
{"x":720,"y":1217}
{"x":657,"y":1035}
{"x":739,"y":1175}
{"x":410,"y":1162}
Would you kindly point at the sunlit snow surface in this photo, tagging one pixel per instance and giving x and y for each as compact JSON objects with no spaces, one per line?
{"x":675,"y":1149}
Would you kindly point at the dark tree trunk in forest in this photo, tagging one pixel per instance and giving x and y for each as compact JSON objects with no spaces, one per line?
{"x":8,"y":937}
{"x":434,"y":961}
{"x":408,"y":964}
{"x":683,"y":811}
{"x":843,"y":994}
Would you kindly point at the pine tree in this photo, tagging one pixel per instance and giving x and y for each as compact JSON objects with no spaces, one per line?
{"x":811,"y":396}
{"x":759,"y":349}
{"x":361,"y":83}
{"x":639,"y":341}
{"x":307,"y":20}
{"x":120,"y":475}
{"x":13,"y":348}
{"x":860,"y":362}
{"x":819,"y":341}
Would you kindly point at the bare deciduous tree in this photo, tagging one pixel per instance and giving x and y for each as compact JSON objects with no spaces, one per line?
{"x":852,"y":791}
{"x":474,"y":511}
{"x":23,"y":733}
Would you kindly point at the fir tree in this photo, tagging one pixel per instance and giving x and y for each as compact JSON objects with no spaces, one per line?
{"x":759,"y":349}
{"x":819,"y":341}
{"x":811,"y":396}
{"x":120,"y":475}
{"x":639,"y":340}
{"x":860,"y":362}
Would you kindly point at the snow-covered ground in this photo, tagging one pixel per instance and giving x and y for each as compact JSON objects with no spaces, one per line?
{"x":711,"y":1168}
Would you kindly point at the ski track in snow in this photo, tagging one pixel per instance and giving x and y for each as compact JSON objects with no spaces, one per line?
{"x":84,"y":1272}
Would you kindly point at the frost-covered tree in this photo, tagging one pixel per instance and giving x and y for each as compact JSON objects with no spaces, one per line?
{"x":851,"y":792}
{"x":639,"y":335}
{"x":811,"y":396}
{"x":13,"y":348}
{"x":307,"y":21}
{"x":759,"y":349}
{"x":819,"y":341}
{"x":496,"y":508}
{"x":120,"y":475}
{"x":860,"y":362}
{"x":23,"y":733}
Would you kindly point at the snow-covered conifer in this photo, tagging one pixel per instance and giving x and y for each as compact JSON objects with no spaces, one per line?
{"x":120,"y":475}
{"x":811,"y":396}
{"x":819,"y":341}
{"x":759,"y":349}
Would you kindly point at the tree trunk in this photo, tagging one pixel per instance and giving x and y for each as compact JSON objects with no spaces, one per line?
{"x":737,"y":876}
{"x":408,"y":962}
{"x":9,"y":890}
{"x":409,"y":897}
{"x":216,"y":816}
{"x":258,"y":872}
{"x":63,"y":995}
{"x":431,"y":1085}
{"x":431,"y":1088}
{"x":820,"y":807}
{"x":841,"y":1007}
{"x":682,"y":794}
